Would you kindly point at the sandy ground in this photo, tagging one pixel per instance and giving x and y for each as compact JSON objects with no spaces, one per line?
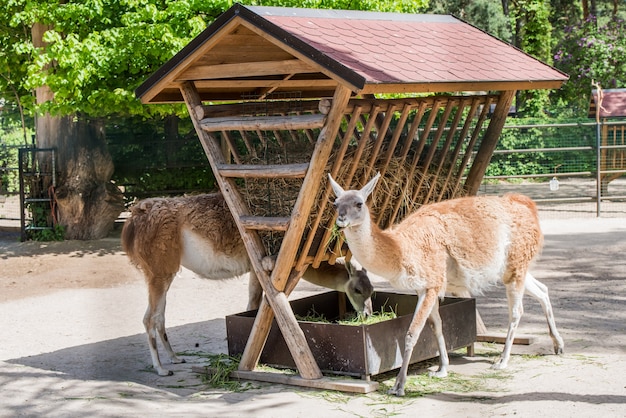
{"x":73,"y":342}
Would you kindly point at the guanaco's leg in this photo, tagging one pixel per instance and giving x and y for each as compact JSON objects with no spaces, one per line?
{"x":514,"y":294}
{"x":154,"y":321}
{"x":540,"y":292}
{"x":255,"y":291}
{"x":425,"y":305}
{"x":437,"y":327}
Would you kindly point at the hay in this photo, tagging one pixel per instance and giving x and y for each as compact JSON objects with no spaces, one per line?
{"x":277,"y":197}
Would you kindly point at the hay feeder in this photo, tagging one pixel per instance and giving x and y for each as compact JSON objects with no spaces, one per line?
{"x":280,"y":97}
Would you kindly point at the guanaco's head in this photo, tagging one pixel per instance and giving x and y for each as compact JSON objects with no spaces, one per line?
{"x":351,"y":205}
{"x":359,"y":289}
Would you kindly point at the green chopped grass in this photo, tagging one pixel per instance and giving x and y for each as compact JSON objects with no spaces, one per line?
{"x":355,"y":319}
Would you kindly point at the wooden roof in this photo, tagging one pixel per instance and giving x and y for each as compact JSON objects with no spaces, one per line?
{"x":613,"y":103}
{"x":258,"y":50}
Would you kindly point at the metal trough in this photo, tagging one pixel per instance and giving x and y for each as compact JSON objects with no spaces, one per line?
{"x":358,"y":350}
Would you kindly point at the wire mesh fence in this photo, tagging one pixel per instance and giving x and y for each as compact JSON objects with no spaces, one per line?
{"x":570,"y":170}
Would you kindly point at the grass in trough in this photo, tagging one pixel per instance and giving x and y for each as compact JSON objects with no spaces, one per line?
{"x":353,"y":318}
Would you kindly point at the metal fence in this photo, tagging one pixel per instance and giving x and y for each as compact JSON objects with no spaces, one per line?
{"x":570,"y":170}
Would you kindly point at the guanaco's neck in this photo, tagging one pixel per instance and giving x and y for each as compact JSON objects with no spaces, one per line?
{"x":376,"y":250}
{"x":330,"y":276}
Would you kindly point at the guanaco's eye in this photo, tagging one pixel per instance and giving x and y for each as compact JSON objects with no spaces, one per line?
{"x":359,"y":205}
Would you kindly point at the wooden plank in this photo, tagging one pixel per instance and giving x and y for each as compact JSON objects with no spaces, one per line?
{"x":270,"y":171}
{"x":343,"y":385}
{"x":291,"y":84}
{"x":264,"y":123}
{"x":245,"y":69}
{"x":501,"y":338}
{"x":243,"y":109}
{"x":265,"y":223}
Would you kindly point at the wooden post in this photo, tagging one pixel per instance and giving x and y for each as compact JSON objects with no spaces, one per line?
{"x":489,"y":142}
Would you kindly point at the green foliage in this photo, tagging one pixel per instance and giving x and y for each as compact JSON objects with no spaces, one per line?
{"x":55,"y":233}
{"x":588,"y":52}
{"x":11,"y":138}
{"x":484,"y":14}
{"x":531,"y":18}
{"x":98,"y":51}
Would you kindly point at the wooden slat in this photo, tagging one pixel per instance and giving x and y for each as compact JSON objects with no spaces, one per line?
{"x":265,"y":223}
{"x":443,"y":150}
{"x":244,"y":109}
{"x":264,"y":123}
{"x":341,"y":152}
{"x":291,"y":84}
{"x":272,"y":171}
{"x":469,"y":148}
{"x":433,"y":146}
{"x":245,"y":69}
{"x":473,"y":103}
{"x":326,"y":383}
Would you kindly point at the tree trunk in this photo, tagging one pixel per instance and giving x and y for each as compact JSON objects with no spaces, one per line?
{"x":87,"y":202}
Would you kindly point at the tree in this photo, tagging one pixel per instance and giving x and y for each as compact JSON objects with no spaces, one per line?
{"x":84,"y":59}
{"x":588,"y":52}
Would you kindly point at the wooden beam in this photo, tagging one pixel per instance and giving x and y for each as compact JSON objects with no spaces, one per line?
{"x":292,"y":333}
{"x":343,"y":385}
{"x":267,"y":83}
{"x":443,"y":87}
{"x":273,"y":171}
{"x":264,"y":123}
{"x":244,"y":109}
{"x":245,"y":69}
{"x":265,"y":223}
{"x":489,"y":142}
{"x":299,"y":219}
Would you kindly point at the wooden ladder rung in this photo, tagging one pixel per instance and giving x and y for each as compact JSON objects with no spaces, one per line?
{"x":265,"y":223}
{"x":263,"y":171}
{"x":263,"y":123}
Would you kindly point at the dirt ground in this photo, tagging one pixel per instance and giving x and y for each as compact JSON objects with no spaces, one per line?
{"x":73,"y":342}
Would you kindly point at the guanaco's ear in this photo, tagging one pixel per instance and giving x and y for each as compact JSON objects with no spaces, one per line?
{"x":336,"y":187}
{"x":369,"y":187}
{"x":351,"y":269}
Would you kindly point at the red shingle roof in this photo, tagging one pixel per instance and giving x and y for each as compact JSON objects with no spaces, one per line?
{"x":613,"y":103}
{"x":368,"y":52}
{"x":392,"y":48}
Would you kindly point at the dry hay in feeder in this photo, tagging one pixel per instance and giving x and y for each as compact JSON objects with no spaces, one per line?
{"x":277,"y":197}
{"x":397,"y":184}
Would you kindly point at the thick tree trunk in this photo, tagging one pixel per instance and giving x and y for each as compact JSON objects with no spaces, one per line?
{"x":87,"y":202}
